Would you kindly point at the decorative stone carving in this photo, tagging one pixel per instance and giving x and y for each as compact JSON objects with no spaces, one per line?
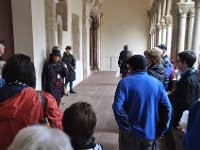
{"x":192,"y":12}
{"x":169,"y":20}
{"x":184,"y":8}
{"x":61,"y":9}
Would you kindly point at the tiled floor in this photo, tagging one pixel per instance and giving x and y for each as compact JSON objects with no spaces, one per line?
{"x":99,"y":91}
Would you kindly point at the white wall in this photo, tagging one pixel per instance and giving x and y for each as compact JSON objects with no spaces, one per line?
{"x":123,"y":22}
{"x":29,"y":32}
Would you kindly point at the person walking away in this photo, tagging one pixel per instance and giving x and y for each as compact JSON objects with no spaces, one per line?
{"x":125,"y":54}
{"x":53,"y":76}
{"x":70,"y":61}
{"x":137,"y":111}
{"x":20,"y":104}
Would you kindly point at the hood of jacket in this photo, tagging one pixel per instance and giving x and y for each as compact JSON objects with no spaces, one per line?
{"x":14,"y":100}
{"x":159,"y":68}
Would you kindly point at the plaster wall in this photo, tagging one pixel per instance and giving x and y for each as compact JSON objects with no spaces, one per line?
{"x":123,"y":22}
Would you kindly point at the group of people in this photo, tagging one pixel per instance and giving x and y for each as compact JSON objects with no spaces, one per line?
{"x":22,"y":113}
{"x":58,"y":72}
{"x":146,"y":105}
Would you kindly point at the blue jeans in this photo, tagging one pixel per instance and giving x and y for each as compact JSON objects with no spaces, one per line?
{"x":128,"y":141}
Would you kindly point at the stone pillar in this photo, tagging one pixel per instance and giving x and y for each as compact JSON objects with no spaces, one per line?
{"x":163,"y":24}
{"x":196,"y":34}
{"x":159,"y":33}
{"x":190,"y":28}
{"x":169,"y":23}
{"x":183,"y":11}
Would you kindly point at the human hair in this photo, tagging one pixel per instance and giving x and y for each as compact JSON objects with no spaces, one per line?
{"x":137,"y":63}
{"x":154,"y":55}
{"x":19,"y":68}
{"x":40,"y":138}
{"x":68,"y":47}
{"x":79,"y":121}
{"x":162,"y":46}
{"x":189,"y":57}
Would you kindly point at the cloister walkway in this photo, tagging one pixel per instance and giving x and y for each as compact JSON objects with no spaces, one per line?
{"x":98,"y":90}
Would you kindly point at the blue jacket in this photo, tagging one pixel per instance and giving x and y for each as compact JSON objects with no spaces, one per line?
{"x":191,"y":140}
{"x":136,"y":108}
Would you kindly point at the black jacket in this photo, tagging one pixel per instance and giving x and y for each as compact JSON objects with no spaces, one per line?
{"x":157,"y":71}
{"x":187,"y":92}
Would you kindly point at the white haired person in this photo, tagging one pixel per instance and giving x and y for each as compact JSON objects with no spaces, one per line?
{"x":40,"y":138}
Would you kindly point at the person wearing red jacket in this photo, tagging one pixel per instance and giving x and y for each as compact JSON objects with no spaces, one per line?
{"x":20,"y":104}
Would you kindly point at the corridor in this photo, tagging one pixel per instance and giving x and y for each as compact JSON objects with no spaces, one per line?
{"x":99,"y":91}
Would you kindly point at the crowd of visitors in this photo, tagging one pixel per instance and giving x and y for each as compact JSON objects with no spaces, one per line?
{"x":142,"y":116}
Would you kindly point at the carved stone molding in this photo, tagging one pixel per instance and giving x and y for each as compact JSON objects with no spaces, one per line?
{"x":169,"y":19}
{"x":192,"y":12}
{"x":183,"y":9}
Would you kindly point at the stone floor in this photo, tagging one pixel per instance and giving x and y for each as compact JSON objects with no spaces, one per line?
{"x":99,"y":91}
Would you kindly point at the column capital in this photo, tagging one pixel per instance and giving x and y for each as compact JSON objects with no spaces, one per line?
{"x":192,"y":12}
{"x":184,"y":8}
{"x":163,"y":23}
{"x":159,"y":26}
{"x":169,"y":19}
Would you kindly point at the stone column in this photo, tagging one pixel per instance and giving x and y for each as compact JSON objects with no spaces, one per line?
{"x":169,"y":23}
{"x":183,"y":11}
{"x":196,"y":34}
{"x":163,"y":24}
{"x":159,"y":33}
{"x":190,"y":28}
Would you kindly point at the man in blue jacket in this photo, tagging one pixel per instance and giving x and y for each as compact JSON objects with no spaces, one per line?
{"x":141,"y":107}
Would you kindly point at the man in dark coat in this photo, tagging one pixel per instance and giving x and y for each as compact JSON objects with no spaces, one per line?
{"x":2,"y":47}
{"x":70,"y":61}
{"x":125,"y":54}
{"x":187,"y":88}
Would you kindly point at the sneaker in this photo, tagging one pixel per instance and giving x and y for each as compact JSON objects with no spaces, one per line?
{"x":66,"y":94}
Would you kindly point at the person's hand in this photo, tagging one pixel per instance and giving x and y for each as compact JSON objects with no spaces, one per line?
{"x":180,"y":130}
{"x":65,"y":66}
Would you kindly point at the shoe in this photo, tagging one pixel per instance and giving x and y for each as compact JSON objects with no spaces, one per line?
{"x":72,"y":92}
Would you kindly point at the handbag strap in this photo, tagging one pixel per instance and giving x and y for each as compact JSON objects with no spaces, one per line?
{"x":41,"y":98}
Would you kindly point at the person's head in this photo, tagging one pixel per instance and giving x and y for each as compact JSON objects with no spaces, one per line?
{"x":19,"y":68}
{"x":186,"y":59}
{"x":68,"y":49}
{"x":55,"y":47}
{"x":2,"y":47}
{"x":162,"y":48}
{"x":55,"y":55}
{"x":40,"y":138}
{"x":137,"y":63}
{"x":79,"y":121}
{"x":153,"y":56}
{"x":125,"y":47}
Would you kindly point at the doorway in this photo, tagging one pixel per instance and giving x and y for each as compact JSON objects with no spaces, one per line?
{"x":93,"y":43}
{"x":6,"y":28}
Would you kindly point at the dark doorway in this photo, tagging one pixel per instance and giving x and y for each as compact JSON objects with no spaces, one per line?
{"x":6,"y":27}
{"x":93,"y":43}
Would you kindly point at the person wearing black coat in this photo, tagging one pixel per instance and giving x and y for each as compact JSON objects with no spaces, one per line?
{"x":53,"y":76}
{"x":70,"y":61}
{"x":187,"y":88}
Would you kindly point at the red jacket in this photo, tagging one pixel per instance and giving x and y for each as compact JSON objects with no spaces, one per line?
{"x":24,"y":109}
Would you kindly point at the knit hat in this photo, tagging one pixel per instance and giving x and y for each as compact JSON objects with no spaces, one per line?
{"x":137,"y":62}
{"x":56,"y":52}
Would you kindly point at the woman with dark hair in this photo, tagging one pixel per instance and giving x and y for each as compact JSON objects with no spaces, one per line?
{"x":20,"y":104}
{"x":70,"y":61}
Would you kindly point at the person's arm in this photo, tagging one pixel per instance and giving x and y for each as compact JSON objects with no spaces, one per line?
{"x":164,"y":113}
{"x":53,"y":113}
{"x":44,"y":78}
{"x":118,"y":106}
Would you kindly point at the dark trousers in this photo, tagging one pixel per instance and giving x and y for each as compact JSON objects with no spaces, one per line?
{"x":70,"y":85}
{"x":128,"y":141}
